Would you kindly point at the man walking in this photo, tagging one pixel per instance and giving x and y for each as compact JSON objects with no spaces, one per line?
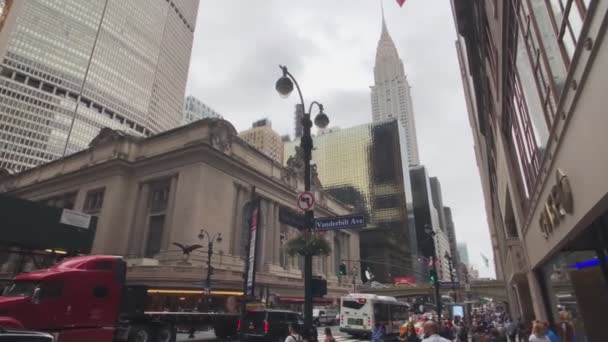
{"x":431,"y":329}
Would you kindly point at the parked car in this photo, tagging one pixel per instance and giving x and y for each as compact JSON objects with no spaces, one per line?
{"x":268,"y":325}
{"x":325,"y":316}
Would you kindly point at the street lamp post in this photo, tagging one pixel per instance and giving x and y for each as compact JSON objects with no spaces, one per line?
{"x":210,"y":240}
{"x":429,"y":230}
{"x":284,"y":87}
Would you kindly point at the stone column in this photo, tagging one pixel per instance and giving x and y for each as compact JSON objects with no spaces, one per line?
{"x":235,"y":229}
{"x":276,"y":235}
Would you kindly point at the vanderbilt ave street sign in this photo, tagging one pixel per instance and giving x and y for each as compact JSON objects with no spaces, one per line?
{"x":297,"y":220}
{"x":340,"y":222}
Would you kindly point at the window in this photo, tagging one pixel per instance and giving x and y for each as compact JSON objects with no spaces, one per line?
{"x":155,"y":233}
{"x":102,"y":265}
{"x":567,"y":17}
{"x":381,"y":312}
{"x":159,"y":195}
{"x":351,"y":304}
{"x":94,"y":200}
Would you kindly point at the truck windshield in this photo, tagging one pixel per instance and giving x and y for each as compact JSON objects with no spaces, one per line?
{"x":20,"y":289}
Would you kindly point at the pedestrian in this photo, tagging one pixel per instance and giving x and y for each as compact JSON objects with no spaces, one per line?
{"x":294,"y":333}
{"x":431,"y":329}
{"x":377,"y":335}
{"x":410,"y":334}
{"x":539,"y":333}
{"x":511,"y":330}
{"x":446,"y":331}
{"x":463,"y":334}
{"x":329,"y":336}
{"x":551,"y":333}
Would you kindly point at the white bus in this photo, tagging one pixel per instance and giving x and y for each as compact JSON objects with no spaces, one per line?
{"x":359,"y":313}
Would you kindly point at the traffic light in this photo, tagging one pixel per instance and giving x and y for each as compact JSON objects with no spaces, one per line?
{"x":342,"y":269}
{"x":432,"y":276}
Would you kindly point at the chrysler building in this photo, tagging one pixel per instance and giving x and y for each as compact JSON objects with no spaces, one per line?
{"x":391,"y":97}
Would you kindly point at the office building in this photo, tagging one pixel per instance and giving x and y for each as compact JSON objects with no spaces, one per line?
{"x":463,"y":253}
{"x":534,"y":77}
{"x":366,"y":166}
{"x":390,"y":94}
{"x":428,"y":217}
{"x":165,"y":189}
{"x":451,"y":232}
{"x":264,"y":139}
{"x":195,"y":109}
{"x":69,"y":68}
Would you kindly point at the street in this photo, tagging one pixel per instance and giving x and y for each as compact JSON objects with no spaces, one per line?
{"x":210,"y":336}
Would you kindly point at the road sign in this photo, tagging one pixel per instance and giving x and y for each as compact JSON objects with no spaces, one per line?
{"x":449,"y":284}
{"x":292,"y":218}
{"x":340,"y":222}
{"x":306,"y":200}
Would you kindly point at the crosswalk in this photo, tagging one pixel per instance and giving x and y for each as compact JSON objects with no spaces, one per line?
{"x":338,"y":336}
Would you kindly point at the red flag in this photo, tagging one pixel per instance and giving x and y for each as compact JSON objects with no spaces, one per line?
{"x":400,"y":2}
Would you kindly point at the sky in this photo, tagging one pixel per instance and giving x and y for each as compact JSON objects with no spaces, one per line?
{"x":330,"y":46}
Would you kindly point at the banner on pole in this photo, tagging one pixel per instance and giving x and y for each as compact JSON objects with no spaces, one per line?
{"x":251,"y":253}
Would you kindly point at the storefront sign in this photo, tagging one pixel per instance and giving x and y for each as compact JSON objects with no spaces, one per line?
{"x":557,"y":205}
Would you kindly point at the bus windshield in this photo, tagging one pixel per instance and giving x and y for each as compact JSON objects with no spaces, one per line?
{"x":20,"y":289}
{"x":352,"y":304}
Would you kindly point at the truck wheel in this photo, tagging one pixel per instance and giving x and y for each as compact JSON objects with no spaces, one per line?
{"x":140,"y":333}
{"x":165,"y":333}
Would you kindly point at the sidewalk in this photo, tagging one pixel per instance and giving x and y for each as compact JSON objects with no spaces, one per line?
{"x":198,"y":337}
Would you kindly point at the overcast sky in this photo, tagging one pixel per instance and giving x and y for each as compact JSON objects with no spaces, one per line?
{"x":330,"y":47}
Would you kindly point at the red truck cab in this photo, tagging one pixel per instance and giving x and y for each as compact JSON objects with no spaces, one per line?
{"x":77,"y":299}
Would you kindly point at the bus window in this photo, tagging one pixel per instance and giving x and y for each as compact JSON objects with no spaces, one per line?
{"x":352,"y":304}
{"x":399,"y":312}
{"x":381,"y":312}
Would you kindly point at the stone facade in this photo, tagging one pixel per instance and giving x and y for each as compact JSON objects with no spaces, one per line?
{"x":166,"y":188}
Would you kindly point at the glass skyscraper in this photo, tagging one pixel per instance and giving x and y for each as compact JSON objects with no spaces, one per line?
{"x":366,"y":166}
{"x":69,"y":68}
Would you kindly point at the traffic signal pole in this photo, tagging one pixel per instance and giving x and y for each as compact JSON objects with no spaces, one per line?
{"x":437,"y":294}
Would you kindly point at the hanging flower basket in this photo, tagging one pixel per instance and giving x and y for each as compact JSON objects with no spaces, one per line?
{"x":304,"y":244}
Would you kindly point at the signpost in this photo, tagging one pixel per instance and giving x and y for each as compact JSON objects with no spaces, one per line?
{"x":306,"y":201}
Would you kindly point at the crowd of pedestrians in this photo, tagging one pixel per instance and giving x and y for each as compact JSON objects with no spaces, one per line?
{"x":486,"y":325}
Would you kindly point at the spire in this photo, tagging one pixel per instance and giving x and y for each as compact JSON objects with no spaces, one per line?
{"x":384,"y":29}
{"x":386,"y":47}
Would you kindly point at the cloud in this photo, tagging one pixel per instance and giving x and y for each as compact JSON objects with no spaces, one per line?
{"x":330,"y":47}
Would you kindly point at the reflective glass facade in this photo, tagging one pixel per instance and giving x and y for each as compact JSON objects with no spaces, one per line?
{"x":366,"y":166}
{"x":70,"y":68}
{"x":195,"y":109}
